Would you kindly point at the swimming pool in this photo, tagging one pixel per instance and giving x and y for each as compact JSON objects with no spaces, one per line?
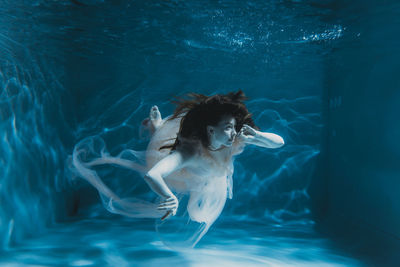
{"x":74,"y":69}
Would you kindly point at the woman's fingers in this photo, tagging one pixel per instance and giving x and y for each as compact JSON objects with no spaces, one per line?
{"x":167,"y":207}
{"x":169,"y":201}
{"x":242,"y":132}
{"x":244,"y":129}
{"x":247,"y":130}
{"x":166,"y":202}
{"x":170,"y":204}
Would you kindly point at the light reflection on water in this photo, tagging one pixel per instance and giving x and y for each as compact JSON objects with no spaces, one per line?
{"x":119,"y":241}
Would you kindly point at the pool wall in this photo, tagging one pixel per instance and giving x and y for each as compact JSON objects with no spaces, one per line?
{"x":70,"y":70}
{"x":355,"y":191}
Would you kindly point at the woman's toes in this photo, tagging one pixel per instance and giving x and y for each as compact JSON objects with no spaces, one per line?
{"x":155,"y":117}
{"x":155,"y":113}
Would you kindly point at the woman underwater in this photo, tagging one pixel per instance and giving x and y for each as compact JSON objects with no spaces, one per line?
{"x":190,"y":153}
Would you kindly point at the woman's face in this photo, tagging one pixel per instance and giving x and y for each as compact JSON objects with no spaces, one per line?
{"x":223,"y":134}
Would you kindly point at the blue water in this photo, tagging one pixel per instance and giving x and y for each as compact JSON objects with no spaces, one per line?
{"x":233,"y":242}
{"x":72,"y":69}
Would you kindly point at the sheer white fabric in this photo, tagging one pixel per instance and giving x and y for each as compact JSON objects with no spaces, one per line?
{"x":205,"y":185}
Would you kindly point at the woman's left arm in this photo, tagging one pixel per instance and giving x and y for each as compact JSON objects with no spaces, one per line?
{"x":263,"y":139}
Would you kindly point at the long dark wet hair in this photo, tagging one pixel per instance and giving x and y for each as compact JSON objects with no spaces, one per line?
{"x":198,"y":111}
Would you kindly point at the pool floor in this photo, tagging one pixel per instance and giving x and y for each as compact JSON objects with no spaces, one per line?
{"x":120,"y":241}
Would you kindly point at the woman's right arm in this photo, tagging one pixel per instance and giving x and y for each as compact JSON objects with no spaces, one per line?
{"x":155,"y":179}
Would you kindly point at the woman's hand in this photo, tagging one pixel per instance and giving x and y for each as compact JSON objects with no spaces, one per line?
{"x":250,"y":136}
{"x":247,"y":133}
{"x":170,"y":204}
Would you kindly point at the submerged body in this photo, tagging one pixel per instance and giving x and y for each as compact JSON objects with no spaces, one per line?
{"x":190,"y":154}
{"x":205,"y":175}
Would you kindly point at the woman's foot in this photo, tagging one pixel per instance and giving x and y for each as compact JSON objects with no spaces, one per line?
{"x":155,"y":117}
{"x":151,"y":124}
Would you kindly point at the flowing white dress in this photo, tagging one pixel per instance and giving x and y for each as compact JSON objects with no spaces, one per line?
{"x":205,"y":185}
